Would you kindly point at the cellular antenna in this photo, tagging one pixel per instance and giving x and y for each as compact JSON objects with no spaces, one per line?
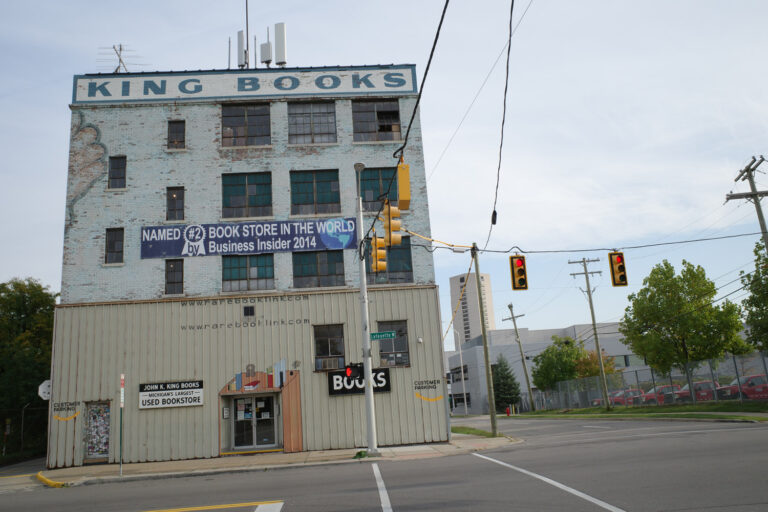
{"x":266,"y":51}
{"x":281,"y":52}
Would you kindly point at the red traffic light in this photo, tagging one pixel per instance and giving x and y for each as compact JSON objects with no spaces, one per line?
{"x":518,"y":262}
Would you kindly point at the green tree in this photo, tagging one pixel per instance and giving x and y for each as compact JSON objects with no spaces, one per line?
{"x":589,"y":365}
{"x":673,"y":319}
{"x":26,"y":332}
{"x":755,"y":307}
{"x":506,"y":389}
{"x":557,"y":362}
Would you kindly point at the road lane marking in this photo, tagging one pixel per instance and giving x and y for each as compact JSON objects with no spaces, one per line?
{"x":269,"y":507}
{"x":17,"y":476}
{"x":257,"y":504}
{"x":593,"y":426}
{"x":386,"y":506}
{"x":616,"y":437}
{"x":560,"y":486}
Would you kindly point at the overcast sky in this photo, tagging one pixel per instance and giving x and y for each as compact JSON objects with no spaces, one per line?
{"x":627,"y":123}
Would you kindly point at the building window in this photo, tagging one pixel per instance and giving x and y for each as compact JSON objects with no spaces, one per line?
{"x":114,"y":249}
{"x":176,"y":134}
{"x":246,"y":195}
{"x":116,"y":172}
{"x":399,"y":264}
{"x":315,"y":192}
{"x":317,"y":269}
{"x":373,"y":187}
{"x":329,"y":347}
{"x":458,"y":375}
{"x":174,"y":277}
{"x":245,"y":125}
{"x":394,"y":352}
{"x":174,"y":203}
{"x":376,"y":120}
{"x":254,"y":272}
{"x":311,"y":123}
{"x":458,"y":399}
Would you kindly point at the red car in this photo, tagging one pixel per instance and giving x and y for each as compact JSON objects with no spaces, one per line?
{"x":704,"y":389}
{"x":753,"y":387}
{"x":620,"y":397}
{"x":657,"y":395}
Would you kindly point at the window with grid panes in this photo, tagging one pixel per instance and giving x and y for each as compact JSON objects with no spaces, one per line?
{"x":376,"y":120}
{"x":399,"y":264}
{"x":113,"y":252}
{"x":245,"y":125}
{"x":251,"y":272}
{"x":329,"y":347}
{"x":318,"y":268}
{"x":117,"y":166}
{"x":174,"y":277}
{"x":394,"y":352}
{"x":176,"y":134}
{"x":310,"y":123}
{"x":246,"y":195}
{"x":174,"y":203}
{"x":314,"y":192}
{"x":374,"y":183}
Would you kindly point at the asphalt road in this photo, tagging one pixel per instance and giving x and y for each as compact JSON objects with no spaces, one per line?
{"x":569,"y":465}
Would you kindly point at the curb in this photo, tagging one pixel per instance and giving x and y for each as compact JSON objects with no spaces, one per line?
{"x":724,"y":419}
{"x":50,"y":483}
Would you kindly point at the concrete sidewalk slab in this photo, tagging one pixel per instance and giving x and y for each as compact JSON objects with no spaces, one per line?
{"x":106,"y":473}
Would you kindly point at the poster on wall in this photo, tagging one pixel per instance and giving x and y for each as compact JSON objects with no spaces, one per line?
{"x":97,"y":431}
{"x":170,"y":394}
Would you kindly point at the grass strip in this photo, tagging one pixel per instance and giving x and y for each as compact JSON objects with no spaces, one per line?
{"x":471,"y":431}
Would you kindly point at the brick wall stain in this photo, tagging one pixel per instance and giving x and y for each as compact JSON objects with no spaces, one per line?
{"x":140,"y":133}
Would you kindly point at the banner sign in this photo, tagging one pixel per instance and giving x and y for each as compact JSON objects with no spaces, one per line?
{"x":251,"y":83}
{"x":339,"y":384}
{"x":170,"y":394}
{"x":176,"y":241}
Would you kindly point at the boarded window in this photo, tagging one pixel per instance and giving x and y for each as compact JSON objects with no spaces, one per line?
{"x":376,"y":120}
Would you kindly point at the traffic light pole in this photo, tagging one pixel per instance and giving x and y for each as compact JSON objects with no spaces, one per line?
{"x":522,"y":355}
{"x":488,"y":370}
{"x":586,"y":274}
{"x":370,"y":411}
{"x":748,"y":173}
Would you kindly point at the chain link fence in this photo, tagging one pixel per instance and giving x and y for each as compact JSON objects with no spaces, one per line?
{"x":732,"y":377}
{"x":24,"y":430}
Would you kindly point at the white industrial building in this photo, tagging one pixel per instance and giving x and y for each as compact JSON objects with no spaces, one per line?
{"x":210,"y":289}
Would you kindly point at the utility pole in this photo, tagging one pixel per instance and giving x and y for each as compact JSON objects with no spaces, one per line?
{"x":586,"y":274}
{"x":488,"y":374}
{"x":370,"y":410}
{"x":748,"y":173}
{"x":522,"y":355}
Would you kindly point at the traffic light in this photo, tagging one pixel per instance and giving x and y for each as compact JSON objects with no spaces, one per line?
{"x":378,"y":255}
{"x":519,"y":274}
{"x":403,"y":185}
{"x":618,"y":269}
{"x":391,"y":224}
{"x":354,"y":371}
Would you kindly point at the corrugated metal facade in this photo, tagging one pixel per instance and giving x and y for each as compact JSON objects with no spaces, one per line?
{"x":211,"y":340}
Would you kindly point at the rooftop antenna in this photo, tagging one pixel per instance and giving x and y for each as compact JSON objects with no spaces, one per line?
{"x":266,"y":51}
{"x":120,"y":63}
{"x":229,"y":54}
{"x":242,"y":61}
{"x":247,"y":37}
{"x":281,"y":52}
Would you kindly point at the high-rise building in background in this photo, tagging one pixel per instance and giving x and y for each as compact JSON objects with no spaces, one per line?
{"x":466,"y":324}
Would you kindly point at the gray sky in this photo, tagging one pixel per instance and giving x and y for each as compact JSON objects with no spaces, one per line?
{"x":627,"y":123}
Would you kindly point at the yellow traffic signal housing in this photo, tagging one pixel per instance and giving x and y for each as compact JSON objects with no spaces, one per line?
{"x":618,"y":269}
{"x":403,"y":186}
{"x":391,"y":224}
{"x":378,"y":255}
{"x":519,"y":273}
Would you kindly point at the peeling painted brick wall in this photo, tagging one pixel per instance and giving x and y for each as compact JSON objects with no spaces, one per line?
{"x":139,"y":132}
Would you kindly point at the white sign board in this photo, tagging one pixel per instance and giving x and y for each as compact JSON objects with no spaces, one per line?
{"x":44,"y":390}
{"x":170,"y":394}
{"x":245,"y":84}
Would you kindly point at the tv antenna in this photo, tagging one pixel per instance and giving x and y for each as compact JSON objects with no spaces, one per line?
{"x":120,"y":62}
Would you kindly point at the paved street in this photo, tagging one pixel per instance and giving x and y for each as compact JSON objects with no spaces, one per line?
{"x":572,"y":465}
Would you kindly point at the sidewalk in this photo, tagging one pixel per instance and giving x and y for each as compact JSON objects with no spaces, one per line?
{"x":105,"y":473}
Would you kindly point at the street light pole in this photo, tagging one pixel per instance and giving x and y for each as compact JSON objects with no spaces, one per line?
{"x":370,"y":410}
{"x":463,"y":381}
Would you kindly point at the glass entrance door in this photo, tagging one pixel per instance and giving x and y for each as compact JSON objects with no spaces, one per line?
{"x":254,"y":422}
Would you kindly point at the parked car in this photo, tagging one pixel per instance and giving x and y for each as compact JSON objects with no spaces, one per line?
{"x":704,"y":389}
{"x":753,"y":387}
{"x":620,"y":397}
{"x":611,"y":397}
{"x":660,"y":394}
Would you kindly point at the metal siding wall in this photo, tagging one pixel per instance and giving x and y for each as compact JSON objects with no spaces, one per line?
{"x":94,"y":344}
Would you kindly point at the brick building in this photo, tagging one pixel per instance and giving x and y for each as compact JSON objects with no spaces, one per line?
{"x":211,"y":259}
